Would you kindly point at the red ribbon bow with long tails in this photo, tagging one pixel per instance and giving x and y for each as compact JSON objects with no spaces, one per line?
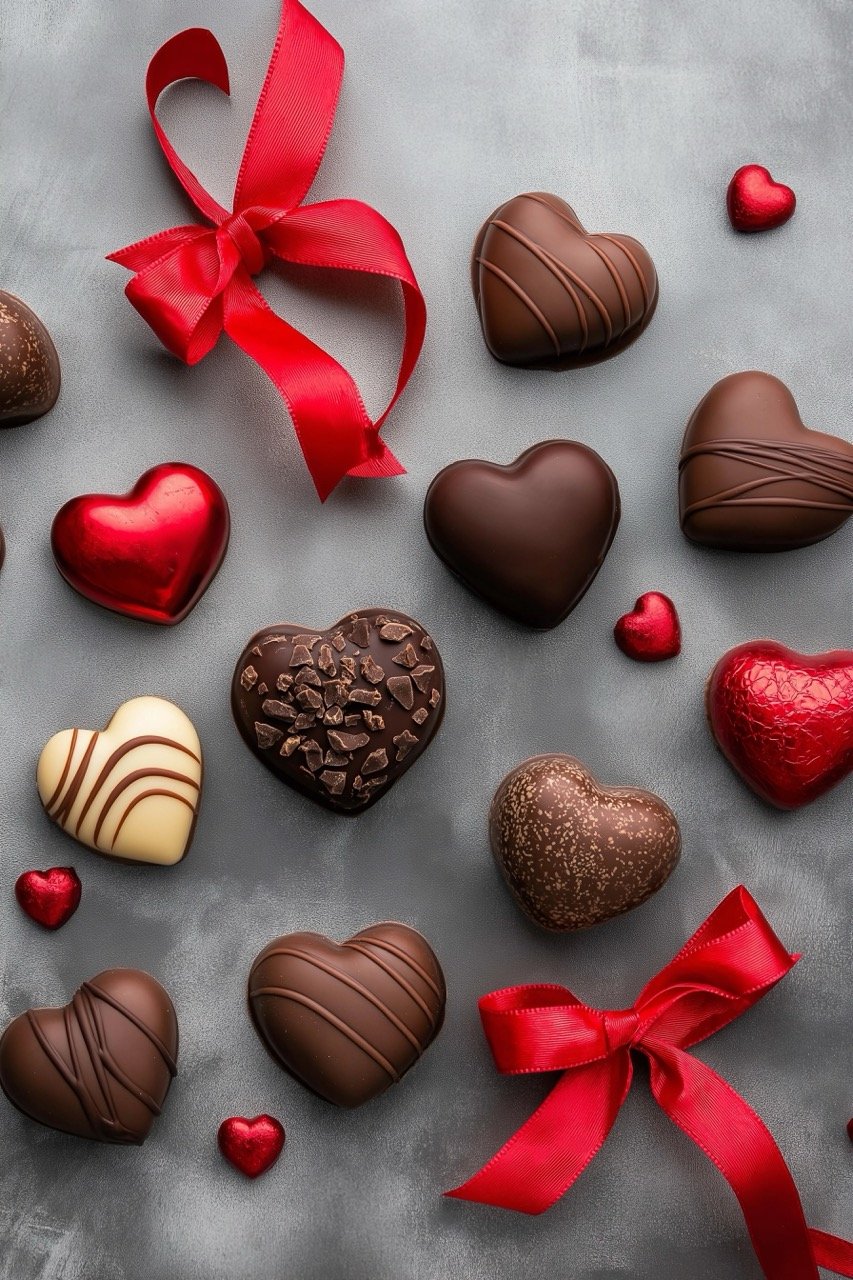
{"x":194,"y":282}
{"x":729,"y":964}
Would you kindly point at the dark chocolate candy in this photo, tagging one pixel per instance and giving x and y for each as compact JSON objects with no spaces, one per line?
{"x":573,"y":852}
{"x":101,"y":1066}
{"x":753,"y":478}
{"x":349,"y":1020}
{"x":29,"y":365}
{"x":550,"y":294}
{"x":528,"y":537}
{"x":340,"y":714}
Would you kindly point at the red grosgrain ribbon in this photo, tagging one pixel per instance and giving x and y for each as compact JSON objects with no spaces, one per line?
{"x":730,"y":963}
{"x":193,"y":282}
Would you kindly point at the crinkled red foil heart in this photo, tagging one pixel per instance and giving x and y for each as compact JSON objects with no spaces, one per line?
{"x":49,"y":897}
{"x":784,"y":720}
{"x":150,"y":554}
{"x":252,"y":1146}
{"x":651,"y":632}
{"x":755,"y":202}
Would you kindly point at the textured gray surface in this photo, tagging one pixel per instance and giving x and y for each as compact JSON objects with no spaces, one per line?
{"x":637,"y":114}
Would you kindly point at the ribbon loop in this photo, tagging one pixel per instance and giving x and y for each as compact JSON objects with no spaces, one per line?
{"x":732,"y":961}
{"x":193,"y":283}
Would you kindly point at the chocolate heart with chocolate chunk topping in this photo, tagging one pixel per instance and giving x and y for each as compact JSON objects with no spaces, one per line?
{"x":340,"y":714}
{"x":574,"y":852}
{"x":528,"y":537}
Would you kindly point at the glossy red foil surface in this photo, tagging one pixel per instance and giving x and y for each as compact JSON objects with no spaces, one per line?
{"x":49,"y":897}
{"x":252,"y":1146}
{"x":755,"y":202}
{"x":784,"y":720}
{"x":150,"y":554}
{"x":651,"y":632}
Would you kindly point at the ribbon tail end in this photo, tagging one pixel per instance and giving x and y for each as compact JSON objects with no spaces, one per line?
{"x":380,"y":465}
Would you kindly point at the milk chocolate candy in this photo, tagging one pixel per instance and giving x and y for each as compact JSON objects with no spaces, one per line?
{"x":753,"y":478}
{"x":101,"y":1066}
{"x":348,"y":1020}
{"x":29,"y":365}
{"x":552,"y":295}
{"x":529,"y":537}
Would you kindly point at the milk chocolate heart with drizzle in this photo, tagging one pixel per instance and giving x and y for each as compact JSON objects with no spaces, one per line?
{"x":340,"y":714}
{"x":753,"y":478}
{"x":552,"y":295}
{"x":349,"y":1020}
{"x":529,"y":537}
{"x":574,"y":852}
{"x":101,"y":1066}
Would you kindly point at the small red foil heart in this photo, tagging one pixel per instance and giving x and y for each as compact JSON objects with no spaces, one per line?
{"x":49,"y":897}
{"x":252,"y":1146}
{"x":755,"y":202}
{"x":150,"y":554}
{"x":651,"y":632}
{"x":784,"y":720}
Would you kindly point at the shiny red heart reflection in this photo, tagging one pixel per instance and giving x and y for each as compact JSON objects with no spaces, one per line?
{"x":49,"y":897}
{"x":252,"y":1146}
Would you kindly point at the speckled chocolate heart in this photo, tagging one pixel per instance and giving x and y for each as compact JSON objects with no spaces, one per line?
{"x":340,"y":714}
{"x":573,"y":852}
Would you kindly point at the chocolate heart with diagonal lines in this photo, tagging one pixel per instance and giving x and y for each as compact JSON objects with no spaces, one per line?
{"x":349,"y":1020}
{"x":552,"y":295}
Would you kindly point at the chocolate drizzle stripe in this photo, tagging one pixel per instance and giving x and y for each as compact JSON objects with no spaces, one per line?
{"x":615,"y":277}
{"x":109,"y":1061}
{"x":524,"y":298}
{"x":384,"y":945}
{"x":786,"y":462}
{"x":641,"y":279}
{"x":398,"y":977}
{"x":61,"y":783}
{"x":120,"y":752}
{"x":128,"y":781}
{"x":554,"y":265}
{"x":111,"y":1000}
{"x":284,"y":993}
{"x":66,"y":804}
{"x":558,"y":213}
{"x":144,"y":795}
{"x":560,"y":269}
{"x":354,"y":985}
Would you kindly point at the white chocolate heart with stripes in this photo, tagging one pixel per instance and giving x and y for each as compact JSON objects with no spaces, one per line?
{"x":130,"y":791}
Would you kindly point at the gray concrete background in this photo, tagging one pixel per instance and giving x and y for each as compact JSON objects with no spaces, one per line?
{"x":637,"y":114}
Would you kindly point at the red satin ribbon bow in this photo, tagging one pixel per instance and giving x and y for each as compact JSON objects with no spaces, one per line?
{"x":729,"y":964}
{"x":193,"y":282}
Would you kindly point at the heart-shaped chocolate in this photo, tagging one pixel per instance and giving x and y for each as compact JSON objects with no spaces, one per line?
{"x":753,"y":478}
{"x":101,"y":1066}
{"x":783,"y":720}
{"x":130,"y":791}
{"x":528,"y":537}
{"x":151,"y":553}
{"x":574,"y":852}
{"x":755,"y":202}
{"x":552,"y":295}
{"x":29,"y":365}
{"x":49,"y":897}
{"x":340,"y":714}
{"x":348,"y":1020}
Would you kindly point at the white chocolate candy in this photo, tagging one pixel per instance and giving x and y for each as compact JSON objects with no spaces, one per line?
{"x":131,"y":791}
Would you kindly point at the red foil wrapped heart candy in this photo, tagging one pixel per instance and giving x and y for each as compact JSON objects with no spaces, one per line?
{"x":252,"y":1146}
{"x":651,"y":632}
{"x":49,"y":897}
{"x":755,"y":202}
{"x":784,"y":720}
{"x":150,"y":554}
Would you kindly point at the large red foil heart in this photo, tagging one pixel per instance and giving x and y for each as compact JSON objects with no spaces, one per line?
{"x":49,"y":897}
{"x":784,"y":720}
{"x":252,"y":1146}
{"x":651,"y":632}
{"x":755,"y":202}
{"x":150,"y":554}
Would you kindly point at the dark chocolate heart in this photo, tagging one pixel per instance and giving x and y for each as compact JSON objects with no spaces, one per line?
{"x":753,"y":478}
{"x":101,"y":1066}
{"x":574,"y":852}
{"x":340,"y":714}
{"x":553,"y":295}
{"x":529,"y":537}
{"x":349,"y":1020}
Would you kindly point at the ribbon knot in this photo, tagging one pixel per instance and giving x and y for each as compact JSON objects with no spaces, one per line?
{"x":193,"y":283}
{"x":730,"y":962}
